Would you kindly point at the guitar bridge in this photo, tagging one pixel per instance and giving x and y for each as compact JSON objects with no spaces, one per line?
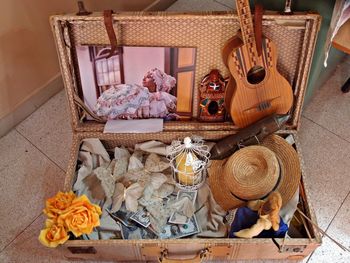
{"x":264,"y":105}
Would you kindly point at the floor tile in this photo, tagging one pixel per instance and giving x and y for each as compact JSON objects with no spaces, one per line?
{"x":26,"y":248}
{"x":327,"y":167}
{"x":27,"y":179}
{"x":330,"y":107}
{"x":49,"y":129}
{"x":339,"y":230}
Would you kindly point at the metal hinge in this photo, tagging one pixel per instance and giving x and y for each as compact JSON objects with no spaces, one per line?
{"x":151,"y":250}
{"x":292,"y":248}
{"x":284,"y":248}
{"x":220,"y":250}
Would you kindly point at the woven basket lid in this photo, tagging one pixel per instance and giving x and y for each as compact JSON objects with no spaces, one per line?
{"x":254,"y":172}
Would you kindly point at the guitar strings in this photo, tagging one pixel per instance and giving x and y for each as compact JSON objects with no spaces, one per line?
{"x":252,"y":54}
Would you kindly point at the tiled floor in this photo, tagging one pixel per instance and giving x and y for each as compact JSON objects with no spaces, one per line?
{"x":34,"y":158}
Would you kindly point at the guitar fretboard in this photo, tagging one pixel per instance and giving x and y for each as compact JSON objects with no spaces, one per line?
{"x":242,"y":65}
{"x":247,"y":28}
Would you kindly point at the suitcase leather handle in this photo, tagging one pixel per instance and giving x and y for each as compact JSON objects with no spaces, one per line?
{"x":198,"y":258}
{"x":108,"y":21}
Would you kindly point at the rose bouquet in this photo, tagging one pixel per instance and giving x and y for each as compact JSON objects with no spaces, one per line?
{"x":68,"y":213}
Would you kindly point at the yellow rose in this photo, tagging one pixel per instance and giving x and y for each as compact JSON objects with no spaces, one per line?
{"x":58,"y":204}
{"x":81,"y":217}
{"x":53,"y":234}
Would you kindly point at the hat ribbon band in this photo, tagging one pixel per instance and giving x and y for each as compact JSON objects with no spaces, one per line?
{"x":273,"y":189}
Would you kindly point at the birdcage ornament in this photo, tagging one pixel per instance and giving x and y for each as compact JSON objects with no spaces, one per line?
{"x":188,"y":160}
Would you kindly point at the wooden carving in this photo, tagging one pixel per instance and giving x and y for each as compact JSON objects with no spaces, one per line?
{"x":212,"y":93}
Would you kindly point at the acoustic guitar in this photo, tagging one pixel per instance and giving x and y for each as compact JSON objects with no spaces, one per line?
{"x":256,"y":89}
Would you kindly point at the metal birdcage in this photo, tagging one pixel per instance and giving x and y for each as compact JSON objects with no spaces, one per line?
{"x":188,"y":160}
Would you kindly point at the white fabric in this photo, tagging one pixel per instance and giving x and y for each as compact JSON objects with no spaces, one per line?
{"x":92,"y":155}
{"x":341,"y":13}
{"x":153,"y":147}
{"x":121,"y":156}
{"x":130,"y":195}
{"x":147,"y":182}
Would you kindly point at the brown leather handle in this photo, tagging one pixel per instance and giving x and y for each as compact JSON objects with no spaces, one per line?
{"x":258,"y":13}
{"x":197,"y":259}
{"x":108,"y":21}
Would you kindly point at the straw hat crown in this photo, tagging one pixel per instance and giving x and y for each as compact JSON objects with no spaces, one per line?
{"x":251,"y":172}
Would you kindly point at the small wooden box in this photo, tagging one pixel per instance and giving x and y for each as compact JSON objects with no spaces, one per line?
{"x":295,"y":37}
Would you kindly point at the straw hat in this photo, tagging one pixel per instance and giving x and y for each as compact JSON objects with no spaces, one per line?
{"x":254,"y":172}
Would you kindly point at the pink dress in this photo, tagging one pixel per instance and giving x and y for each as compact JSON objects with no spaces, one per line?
{"x":127,"y":101}
{"x":124,"y":101}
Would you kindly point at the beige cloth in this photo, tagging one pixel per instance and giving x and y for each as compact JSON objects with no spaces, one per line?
{"x":94,"y":149}
{"x":210,"y":215}
{"x":121,"y":157}
{"x":287,"y":212}
{"x":138,"y":168}
{"x":145,"y":179}
{"x":153,"y":147}
{"x":92,"y":155}
{"x":128,"y":195}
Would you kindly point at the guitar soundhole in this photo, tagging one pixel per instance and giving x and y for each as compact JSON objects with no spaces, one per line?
{"x":213,"y":107}
{"x":256,"y":74}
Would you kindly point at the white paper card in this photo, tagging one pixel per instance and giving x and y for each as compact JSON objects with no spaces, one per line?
{"x":134,"y":126}
{"x":290,"y":139}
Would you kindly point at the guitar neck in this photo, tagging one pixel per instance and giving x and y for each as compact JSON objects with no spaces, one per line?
{"x":246,"y":22}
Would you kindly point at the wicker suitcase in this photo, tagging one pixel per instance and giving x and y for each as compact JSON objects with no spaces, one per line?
{"x":295,"y":36}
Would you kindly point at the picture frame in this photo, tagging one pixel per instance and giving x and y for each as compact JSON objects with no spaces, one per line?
{"x":99,"y":71}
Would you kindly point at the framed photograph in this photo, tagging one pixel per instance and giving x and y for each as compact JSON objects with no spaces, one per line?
{"x":137,"y":82}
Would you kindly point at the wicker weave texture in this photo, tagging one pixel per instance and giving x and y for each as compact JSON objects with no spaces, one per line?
{"x":206,"y":32}
{"x":207,"y":36}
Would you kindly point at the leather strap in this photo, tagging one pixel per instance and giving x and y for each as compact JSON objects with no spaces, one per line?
{"x":108,"y":21}
{"x":258,"y":13}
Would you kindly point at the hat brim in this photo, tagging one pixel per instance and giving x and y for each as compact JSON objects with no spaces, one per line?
{"x":289,"y":169}
{"x":219,"y":189}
